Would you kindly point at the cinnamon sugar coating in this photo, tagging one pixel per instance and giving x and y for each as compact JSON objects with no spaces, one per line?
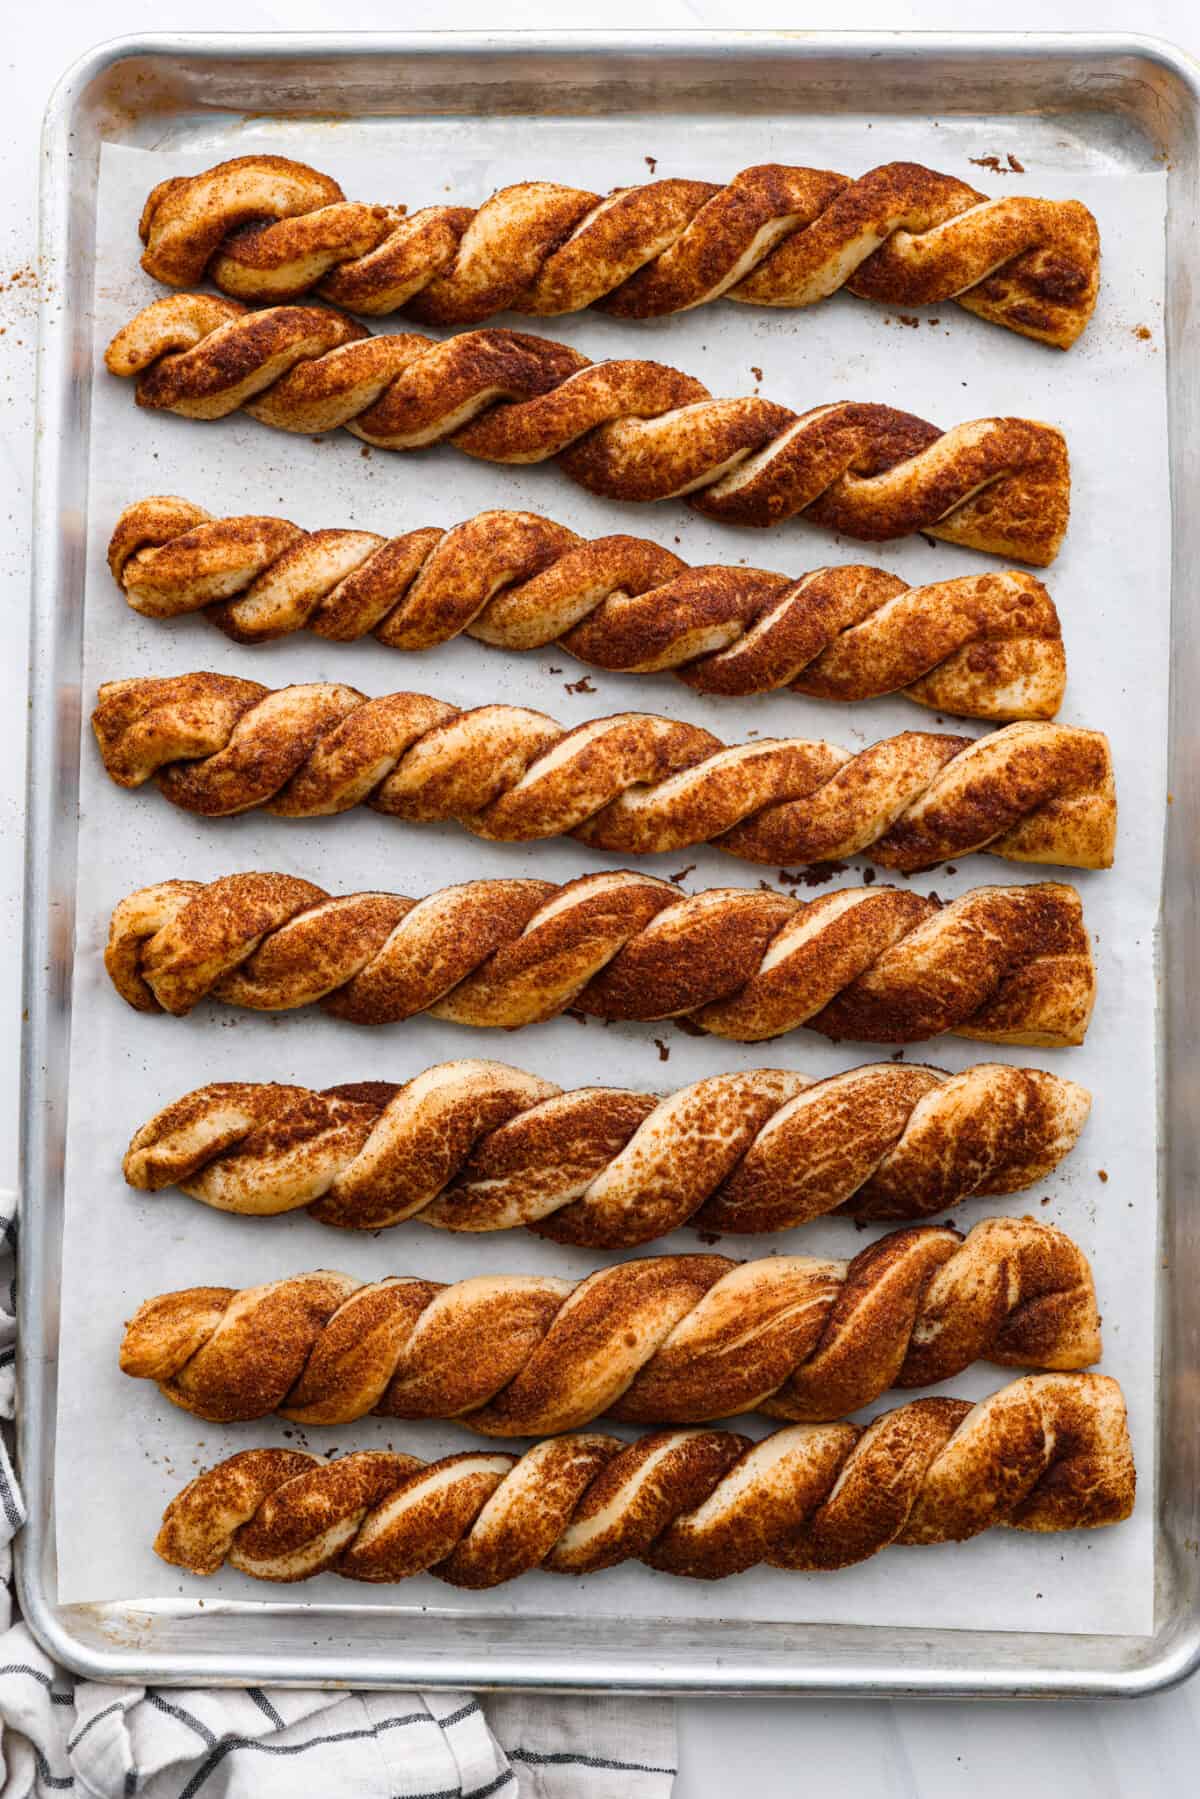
{"x":672,"y":1339}
{"x":981,"y":646}
{"x":634,"y":783}
{"x":879,"y":964}
{"x":479,"y":1146}
{"x":1048,"y":1452}
{"x":269,"y":228}
{"x":628,"y":430}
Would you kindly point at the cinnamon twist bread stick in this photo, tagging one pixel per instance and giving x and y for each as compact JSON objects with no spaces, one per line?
{"x":479,"y":1146}
{"x":982,"y":646}
{"x":633,"y":783}
{"x":878,"y":964}
{"x":627,"y":430}
{"x":268,"y":228}
{"x":667,"y":1340}
{"x":1048,"y":1452}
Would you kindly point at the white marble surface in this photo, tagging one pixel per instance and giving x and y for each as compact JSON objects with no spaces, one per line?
{"x":887,"y":1751}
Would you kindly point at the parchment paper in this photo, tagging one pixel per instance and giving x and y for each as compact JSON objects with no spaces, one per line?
{"x":122,"y":1450}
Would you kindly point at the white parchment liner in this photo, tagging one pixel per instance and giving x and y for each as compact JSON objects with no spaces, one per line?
{"x":122,"y":1450}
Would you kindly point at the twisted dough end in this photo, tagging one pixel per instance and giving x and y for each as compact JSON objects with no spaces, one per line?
{"x":664,"y":1340}
{"x":982,"y":646}
{"x":626,"y":430}
{"x":880,"y":965}
{"x":479,"y":1146}
{"x":268,"y":228}
{"x":1048,"y":1452}
{"x":634,"y":783}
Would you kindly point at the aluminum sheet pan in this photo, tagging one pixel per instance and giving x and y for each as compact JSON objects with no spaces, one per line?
{"x":726,"y":1653}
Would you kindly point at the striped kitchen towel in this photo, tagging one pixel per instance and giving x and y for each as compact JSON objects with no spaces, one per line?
{"x":81,"y":1737}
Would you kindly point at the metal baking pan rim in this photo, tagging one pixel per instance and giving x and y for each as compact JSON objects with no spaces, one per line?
{"x":116,"y":1642}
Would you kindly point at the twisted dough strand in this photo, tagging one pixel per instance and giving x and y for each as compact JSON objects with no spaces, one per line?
{"x":627,"y":430}
{"x":479,"y":1146}
{"x":982,"y":646}
{"x":1048,"y":1452}
{"x":634,"y":783}
{"x":666,"y":1340}
{"x":268,"y":228}
{"x":879,"y":964}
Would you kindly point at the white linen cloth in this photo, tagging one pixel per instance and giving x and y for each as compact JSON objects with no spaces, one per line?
{"x":61,"y":1735}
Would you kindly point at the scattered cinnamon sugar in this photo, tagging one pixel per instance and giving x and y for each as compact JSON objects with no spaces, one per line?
{"x":664,"y":1052}
{"x":756,"y":372}
{"x":1010,"y":165}
{"x":20,"y":293}
{"x":905,"y":318}
{"x":1143,"y":332}
{"x":1102,"y":1175}
{"x":652,"y":164}
{"x":816,"y":876}
{"x":683,"y":873}
{"x":583,"y":685}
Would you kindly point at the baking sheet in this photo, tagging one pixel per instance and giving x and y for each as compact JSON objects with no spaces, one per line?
{"x":118,"y":1442}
